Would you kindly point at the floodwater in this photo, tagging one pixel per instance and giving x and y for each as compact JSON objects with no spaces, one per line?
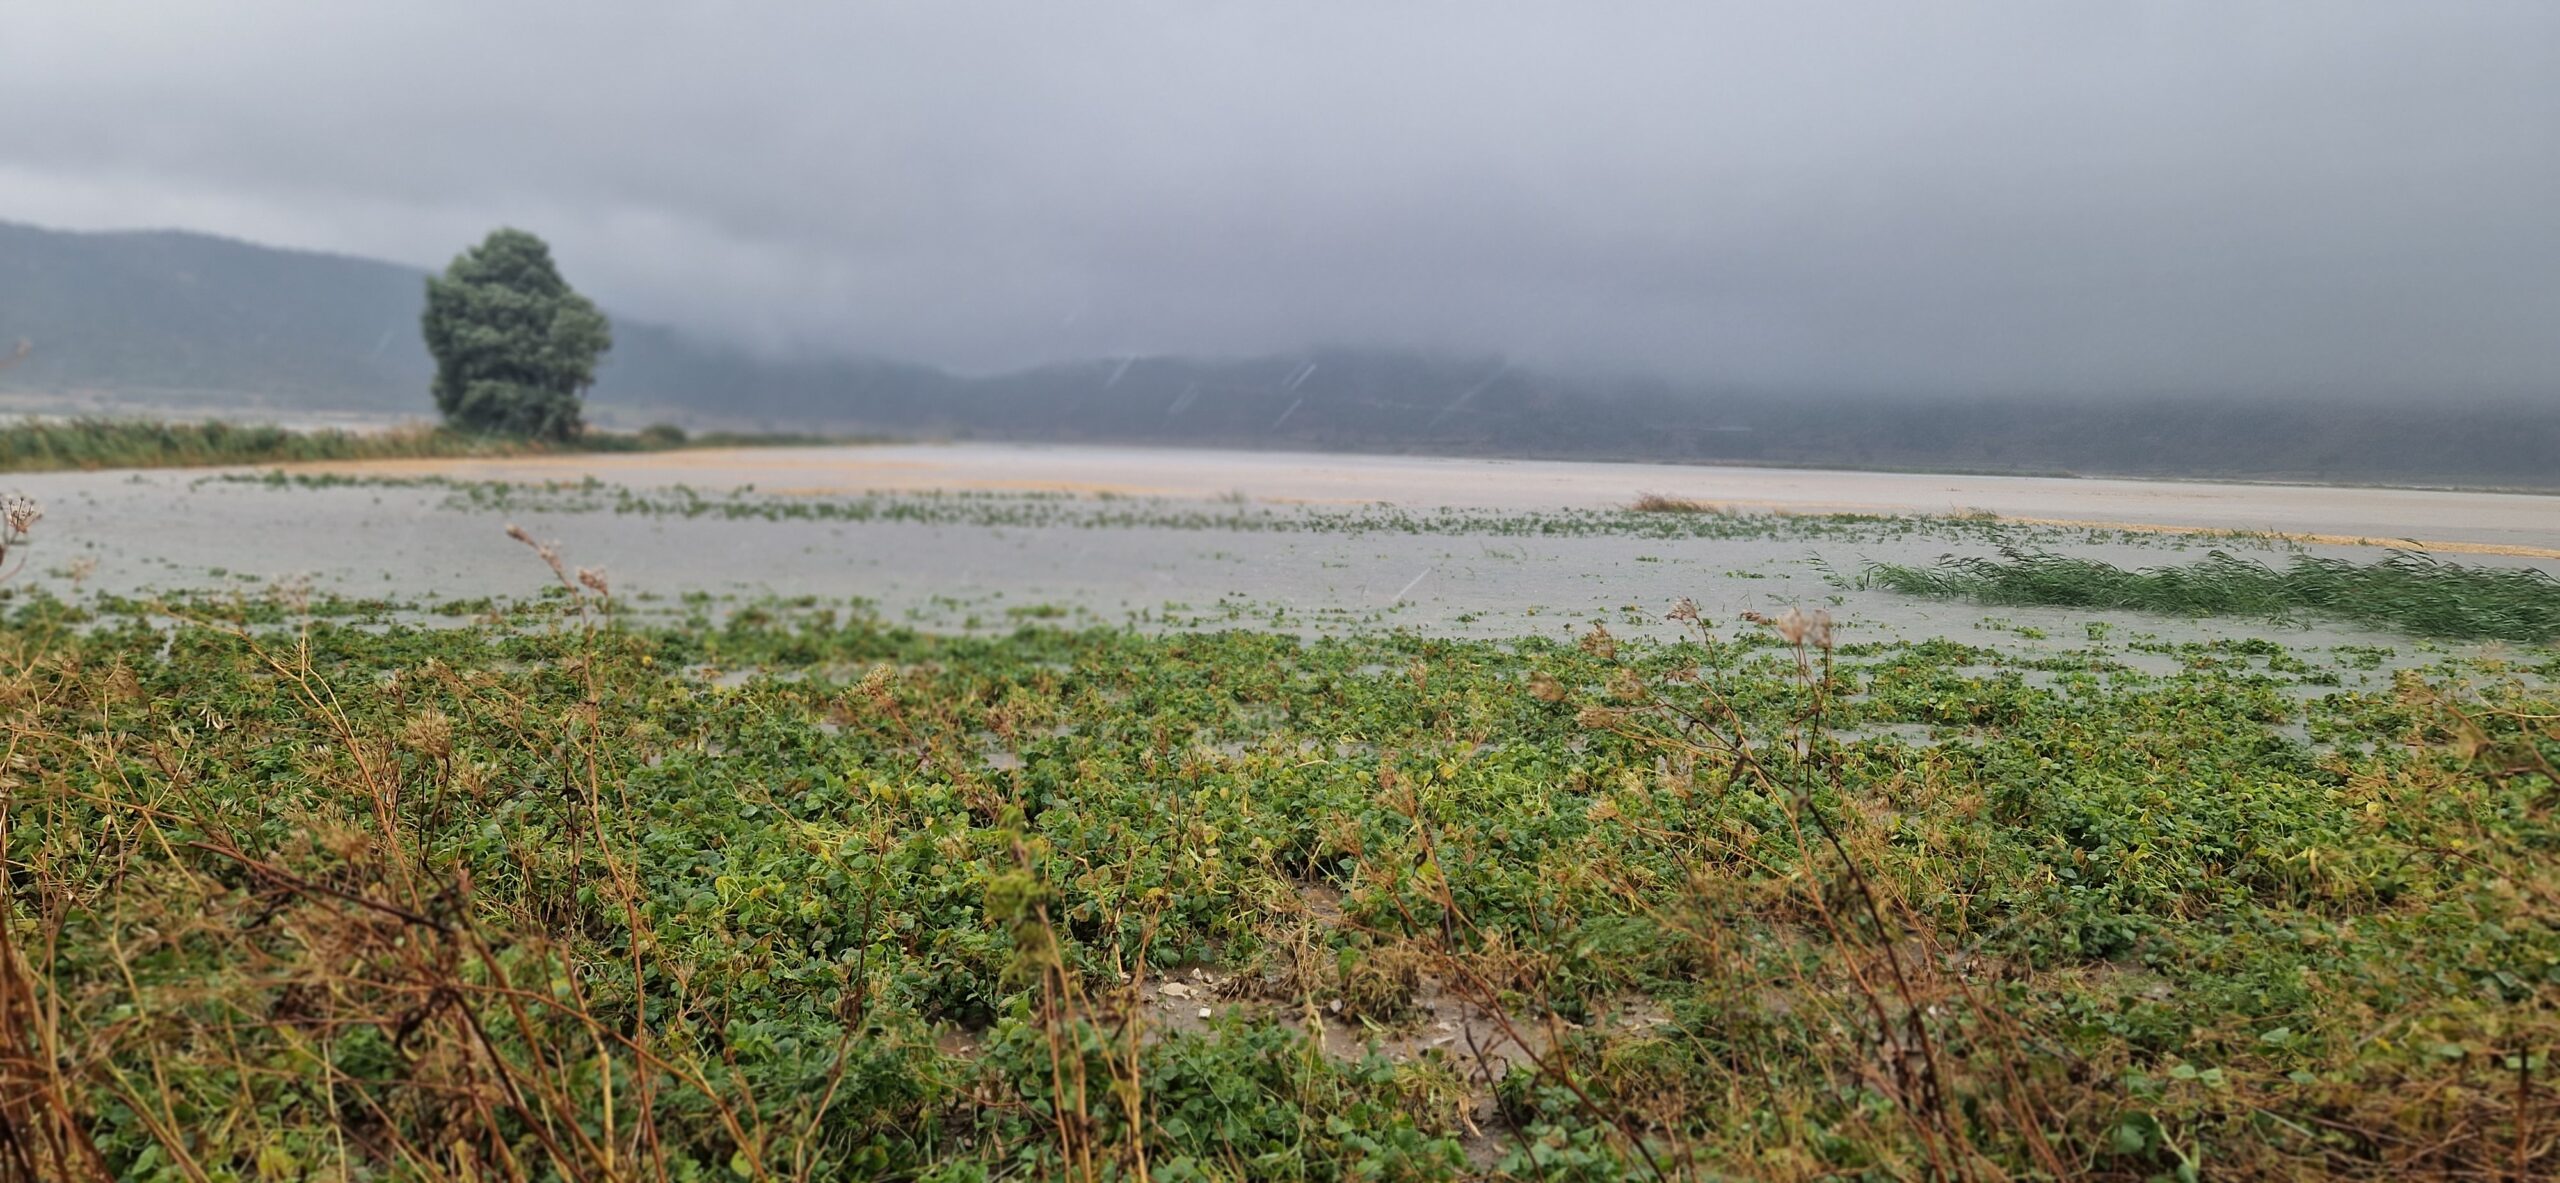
{"x":2442,"y":520}
{"x":179,"y":531}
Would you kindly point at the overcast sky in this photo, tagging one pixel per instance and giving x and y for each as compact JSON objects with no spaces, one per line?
{"x":2075,"y":197}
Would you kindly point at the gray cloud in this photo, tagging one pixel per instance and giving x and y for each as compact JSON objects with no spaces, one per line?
{"x":1998,"y":196}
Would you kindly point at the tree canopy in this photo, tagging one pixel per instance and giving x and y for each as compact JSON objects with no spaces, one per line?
{"x":515,"y":346}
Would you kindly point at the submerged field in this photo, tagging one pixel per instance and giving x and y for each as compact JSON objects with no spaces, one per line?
{"x":1021,"y":836}
{"x":302,"y":893}
{"x":971,"y":560}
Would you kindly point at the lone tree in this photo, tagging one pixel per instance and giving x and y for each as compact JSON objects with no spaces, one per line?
{"x":515,"y":346}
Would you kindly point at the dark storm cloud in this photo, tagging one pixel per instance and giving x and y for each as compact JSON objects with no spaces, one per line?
{"x":2090,"y":197}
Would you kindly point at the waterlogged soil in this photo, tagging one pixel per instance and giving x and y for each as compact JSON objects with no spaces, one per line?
{"x":1278,"y":552}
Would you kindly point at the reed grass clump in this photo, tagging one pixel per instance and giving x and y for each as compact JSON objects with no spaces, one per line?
{"x":1670,"y":503}
{"x":2407,"y":592}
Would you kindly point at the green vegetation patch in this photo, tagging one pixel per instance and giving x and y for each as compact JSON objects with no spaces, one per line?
{"x":2407,"y":592}
{"x":309,"y":893}
{"x":39,"y":445}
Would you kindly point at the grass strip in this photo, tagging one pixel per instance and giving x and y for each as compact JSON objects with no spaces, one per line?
{"x":2407,"y":592}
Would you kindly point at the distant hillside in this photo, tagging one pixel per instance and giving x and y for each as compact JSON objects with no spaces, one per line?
{"x":170,"y":317}
{"x":167,"y":318}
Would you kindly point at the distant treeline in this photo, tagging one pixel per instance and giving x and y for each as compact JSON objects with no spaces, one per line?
{"x":44,"y":445}
{"x":185,"y":321}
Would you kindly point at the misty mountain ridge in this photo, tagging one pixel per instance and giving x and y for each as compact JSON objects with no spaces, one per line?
{"x":188,"y":318}
{"x":173,"y":319}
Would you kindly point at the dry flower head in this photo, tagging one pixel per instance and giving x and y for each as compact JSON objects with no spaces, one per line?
{"x":19,"y":514}
{"x":1799,"y":628}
